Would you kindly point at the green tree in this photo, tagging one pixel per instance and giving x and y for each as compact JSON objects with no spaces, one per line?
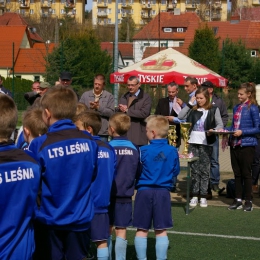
{"x":126,"y":30}
{"x":82,"y":56}
{"x":205,"y":48}
{"x":237,"y":63}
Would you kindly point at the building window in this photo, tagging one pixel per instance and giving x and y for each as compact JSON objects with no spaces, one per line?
{"x":179,"y":29}
{"x":37,"y":78}
{"x":163,"y":2}
{"x":164,"y":44}
{"x":146,"y":44}
{"x":18,"y":77}
{"x":181,"y":44}
{"x":119,"y":21}
{"x":31,"y":1}
{"x":109,"y":21}
{"x":62,"y":1}
{"x":253,"y":53}
{"x":8,"y":1}
{"x":31,"y":11}
{"x":215,"y":30}
{"x":22,"y":11}
{"x":62,"y":11}
{"x":109,"y":11}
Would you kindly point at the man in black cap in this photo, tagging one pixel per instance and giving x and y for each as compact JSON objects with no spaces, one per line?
{"x":65,"y":78}
{"x":214,"y":171}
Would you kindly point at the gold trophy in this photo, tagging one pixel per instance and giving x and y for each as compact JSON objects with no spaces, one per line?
{"x":185,"y":130}
{"x":172,"y":135}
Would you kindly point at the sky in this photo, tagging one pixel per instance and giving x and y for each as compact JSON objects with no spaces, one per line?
{"x":88,"y":6}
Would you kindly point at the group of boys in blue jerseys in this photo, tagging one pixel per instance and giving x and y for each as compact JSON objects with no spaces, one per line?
{"x":83,"y":186}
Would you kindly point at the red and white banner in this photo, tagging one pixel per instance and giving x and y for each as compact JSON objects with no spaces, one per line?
{"x":167,"y":66}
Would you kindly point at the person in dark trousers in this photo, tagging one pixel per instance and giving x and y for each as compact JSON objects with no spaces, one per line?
{"x":245,"y":124}
{"x":214,"y":163}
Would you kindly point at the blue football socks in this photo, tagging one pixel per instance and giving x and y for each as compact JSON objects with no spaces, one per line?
{"x":102,"y":253}
{"x":110,"y":246}
{"x":161,"y":247}
{"x":120,"y":248}
{"x":140,"y":247}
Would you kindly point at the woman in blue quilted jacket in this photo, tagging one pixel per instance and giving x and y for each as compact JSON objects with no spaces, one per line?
{"x":245,"y":124}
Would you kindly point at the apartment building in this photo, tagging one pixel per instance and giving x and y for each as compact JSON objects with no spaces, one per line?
{"x":143,"y":11}
{"x":45,"y":8}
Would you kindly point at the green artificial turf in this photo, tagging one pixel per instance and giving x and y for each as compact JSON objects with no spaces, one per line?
{"x":241,"y":231}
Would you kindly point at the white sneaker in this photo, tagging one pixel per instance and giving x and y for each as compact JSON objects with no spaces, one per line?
{"x":194,"y":202}
{"x":203,"y":202}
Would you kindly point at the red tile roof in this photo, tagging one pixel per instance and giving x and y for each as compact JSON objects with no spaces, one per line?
{"x":125,"y":48}
{"x":32,"y":60}
{"x":165,"y":19}
{"x":28,"y":54}
{"x":248,"y":31}
{"x":12,"y":19}
{"x":107,"y":46}
{"x":13,"y":34}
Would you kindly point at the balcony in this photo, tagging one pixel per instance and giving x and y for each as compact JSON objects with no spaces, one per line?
{"x":217,"y":5}
{"x":102,"y":14}
{"x":45,"y":15}
{"x":46,"y":4}
{"x":102,"y":5}
{"x":2,"y":3}
{"x":256,"y":2}
{"x":171,"y":6}
{"x":69,"y":4}
{"x":216,"y":16}
{"x":190,"y":5}
{"x":146,"y":6}
{"x":25,"y":4}
{"x":146,"y":16}
{"x":126,"y":6}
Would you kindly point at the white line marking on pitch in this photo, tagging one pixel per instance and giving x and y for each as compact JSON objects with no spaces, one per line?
{"x":205,"y":235}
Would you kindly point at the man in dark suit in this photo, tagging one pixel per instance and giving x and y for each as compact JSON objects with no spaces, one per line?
{"x":170,"y":108}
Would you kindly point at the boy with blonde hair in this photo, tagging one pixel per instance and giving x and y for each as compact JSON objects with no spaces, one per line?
{"x":68,"y":158}
{"x":120,"y":210}
{"x":160,"y":163}
{"x":33,"y":124}
{"x":101,"y":186}
{"x":19,"y":183}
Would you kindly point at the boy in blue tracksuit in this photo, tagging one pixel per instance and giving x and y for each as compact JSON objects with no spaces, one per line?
{"x":101,"y":187}
{"x":120,"y":210}
{"x":19,"y":184}
{"x":160,"y":163}
{"x":68,"y":158}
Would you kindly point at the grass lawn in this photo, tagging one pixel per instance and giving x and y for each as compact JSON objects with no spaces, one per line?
{"x":207,"y":233}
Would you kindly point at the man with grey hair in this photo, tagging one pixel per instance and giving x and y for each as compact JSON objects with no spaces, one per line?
{"x":170,"y":107}
{"x":136,"y":104}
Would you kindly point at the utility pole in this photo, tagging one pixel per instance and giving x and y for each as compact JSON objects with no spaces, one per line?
{"x":116,"y":52}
